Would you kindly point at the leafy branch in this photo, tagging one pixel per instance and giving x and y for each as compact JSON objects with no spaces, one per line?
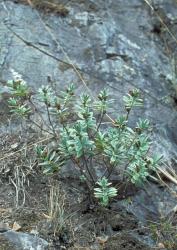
{"x":80,"y":138}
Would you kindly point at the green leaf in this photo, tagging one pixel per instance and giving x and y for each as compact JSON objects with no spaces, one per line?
{"x":104,"y":192}
{"x":133,"y":100}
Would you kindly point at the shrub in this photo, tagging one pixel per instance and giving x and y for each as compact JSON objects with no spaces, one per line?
{"x":76,"y":125}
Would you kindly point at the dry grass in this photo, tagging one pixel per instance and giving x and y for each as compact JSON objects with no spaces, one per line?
{"x":57,"y":210}
{"x":50,"y":6}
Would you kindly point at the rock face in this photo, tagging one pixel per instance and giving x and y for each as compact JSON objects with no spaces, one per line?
{"x":151,"y":204}
{"x":115,"y":44}
{"x":11,"y":240}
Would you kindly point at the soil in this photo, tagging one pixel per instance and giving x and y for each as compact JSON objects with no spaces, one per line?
{"x":124,"y":242}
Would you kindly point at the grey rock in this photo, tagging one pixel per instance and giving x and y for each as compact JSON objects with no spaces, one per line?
{"x":24,"y":241}
{"x":81,"y":19}
{"x":151,"y":204}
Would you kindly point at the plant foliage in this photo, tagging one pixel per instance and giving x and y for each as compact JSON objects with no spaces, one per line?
{"x":80,"y":138}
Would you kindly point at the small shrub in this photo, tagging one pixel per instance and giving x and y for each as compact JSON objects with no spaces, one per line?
{"x":76,"y":126}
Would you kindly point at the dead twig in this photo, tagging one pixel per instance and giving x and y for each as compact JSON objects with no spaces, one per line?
{"x":169,"y":174}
